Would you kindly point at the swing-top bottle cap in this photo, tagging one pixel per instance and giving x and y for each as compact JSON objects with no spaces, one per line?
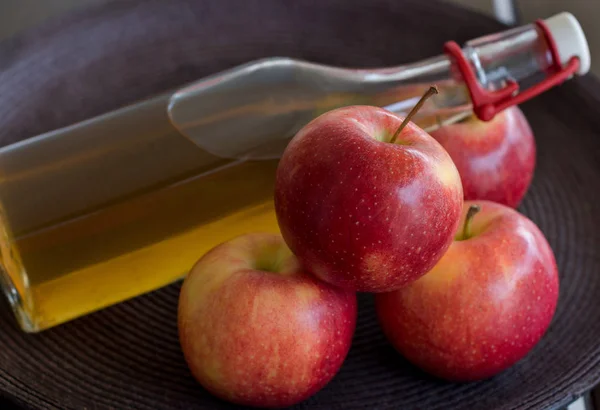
{"x":570,"y":40}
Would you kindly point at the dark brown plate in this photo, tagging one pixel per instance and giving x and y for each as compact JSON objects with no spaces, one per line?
{"x":128,"y":356}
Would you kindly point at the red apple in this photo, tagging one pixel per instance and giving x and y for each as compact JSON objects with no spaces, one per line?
{"x":495,"y":159}
{"x":361,"y":212}
{"x":484,"y":306}
{"x":256,"y":330}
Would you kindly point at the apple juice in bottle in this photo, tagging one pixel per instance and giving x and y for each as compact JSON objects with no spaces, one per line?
{"x":125,"y":203}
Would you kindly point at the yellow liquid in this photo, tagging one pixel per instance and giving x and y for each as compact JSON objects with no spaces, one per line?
{"x":143,"y":243}
{"x":109,"y":209}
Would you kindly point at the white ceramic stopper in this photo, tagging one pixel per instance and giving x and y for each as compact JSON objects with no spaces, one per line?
{"x":570,"y":40}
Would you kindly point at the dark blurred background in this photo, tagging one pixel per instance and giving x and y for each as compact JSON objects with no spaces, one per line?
{"x":16,"y":15}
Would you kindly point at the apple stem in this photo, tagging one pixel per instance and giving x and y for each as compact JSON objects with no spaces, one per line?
{"x":432,"y":90}
{"x":473,"y":210}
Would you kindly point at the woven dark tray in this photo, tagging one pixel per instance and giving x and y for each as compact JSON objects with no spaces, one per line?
{"x":128,"y":356}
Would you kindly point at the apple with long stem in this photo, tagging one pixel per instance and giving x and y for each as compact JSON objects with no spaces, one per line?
{"x":486,"y":303}
{"x":495,"y":159}
{"x":366,"y":200}
{"x":256,"y":330}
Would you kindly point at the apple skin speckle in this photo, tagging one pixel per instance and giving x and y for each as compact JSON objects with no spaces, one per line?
{"x":409,"y":194}
{"x":495,"y":159}
{"x":484,"y":306}
{"x":262,"y":338}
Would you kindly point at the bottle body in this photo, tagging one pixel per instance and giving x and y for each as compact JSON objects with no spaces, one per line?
{"x":123,"y":204}
{"x":112,"y":212}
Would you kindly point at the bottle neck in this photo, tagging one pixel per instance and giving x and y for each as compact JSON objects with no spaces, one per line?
{"x":521,"y":55}
{"x":251,"y":111}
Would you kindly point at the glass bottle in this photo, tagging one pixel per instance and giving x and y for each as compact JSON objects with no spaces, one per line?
{"x":124,"y":203}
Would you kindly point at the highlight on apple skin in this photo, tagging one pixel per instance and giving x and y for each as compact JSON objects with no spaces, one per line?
{"x":495,"y":159}
{"x":486,"y":303}
{"x":361,"y":212}
{"x":256,"y":330}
